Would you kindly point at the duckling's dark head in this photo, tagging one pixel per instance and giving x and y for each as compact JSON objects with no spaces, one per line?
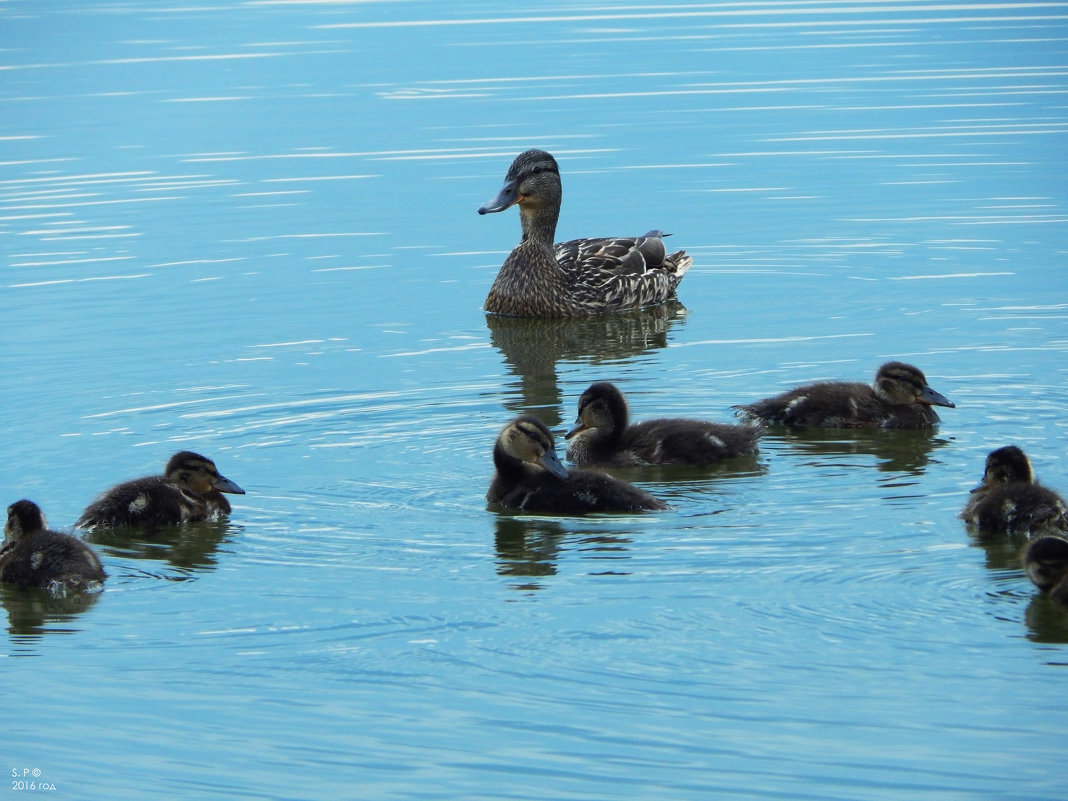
{"x":23,"y":518}
{"x":602,"y":407}
{"x":532,"y":181}
{"x":1007,"y":465}
{"x":1046,"y":560}
{"x":199,"y":474}
{"x":527,"y":439}
{"x":903,"y":385}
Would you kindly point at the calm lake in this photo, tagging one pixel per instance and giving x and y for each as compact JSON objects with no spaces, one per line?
{"x":249,"y":229}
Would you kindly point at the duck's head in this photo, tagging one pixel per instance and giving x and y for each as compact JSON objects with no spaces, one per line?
{"x":1046,"y":560}
{"x":23,"y":518}
{"x":1008,"y":465}
{"x":527,"y":439}
{"x":903,"y":385}
{"x":603,"y":408}
{"x":198,"y":474}
{"x":533,"y":181}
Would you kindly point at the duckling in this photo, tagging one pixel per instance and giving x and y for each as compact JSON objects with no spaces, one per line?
{"x":900,"y":398}
{"x":531,"y":478}
{"x":1010,"y":500}
{"x":34,"y":556}
{"x":602,"y":435}
{"x":579,"y":277}
{"x":189,"y":489}
{"x":1046,"y":562}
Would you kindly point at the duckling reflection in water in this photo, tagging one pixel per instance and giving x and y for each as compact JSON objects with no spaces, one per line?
{"x":576,"y":278}
{"x":602,"y":434}
{"x":899,"y":398}
{"x":34,"y":556}
{"x":190,"y":489}
{"x":530,"y":478}
{"x":1009,"y":500}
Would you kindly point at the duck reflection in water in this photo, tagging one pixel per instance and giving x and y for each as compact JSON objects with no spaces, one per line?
{"x":189,"y":548}
{"x":32,"y":613}
{"x":533,"y":347}
{"x":896,"y":451}
{"x":529,"y":548}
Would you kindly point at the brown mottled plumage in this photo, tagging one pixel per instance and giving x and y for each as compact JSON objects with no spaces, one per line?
{"x":1046,"y":562}
{"x":189,"y":489}
{"x":900,"y":398}
{"x":34,"y":556}
{"x":530,"y":478}
{"x":603,"y":435}
{"x":579,"y":277}
{"x":1009,"y":500}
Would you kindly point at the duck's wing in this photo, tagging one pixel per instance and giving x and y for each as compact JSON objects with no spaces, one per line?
{"x":622,"y":255}
{"x":622,"y":271}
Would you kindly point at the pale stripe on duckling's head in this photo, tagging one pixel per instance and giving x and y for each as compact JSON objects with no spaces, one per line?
{"x":529,"y":440}
{"x":903,"y":384}
{"x":199,"y":474}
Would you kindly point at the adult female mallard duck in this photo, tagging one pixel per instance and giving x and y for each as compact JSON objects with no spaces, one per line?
{"x":531,"y":478}
{"x":1009,"y":500}
{"x":1046,"y":562}
{"x":900,"y":398}
{"x":580,"y":277}
{"x":189,"y":489}
{"x":34,"y":556}
{"x":603,"y":435}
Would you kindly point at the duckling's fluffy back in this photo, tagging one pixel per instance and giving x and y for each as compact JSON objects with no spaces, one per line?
{"x":582,"y":492}
{"x":34,"y":556}
{"x":151,"y":502}
{"x":54,"y":561}
{"x":838,"y":404}
{"x":1009,"y":499}
{"x":1016,"y":508}
{"x":666,"y":441}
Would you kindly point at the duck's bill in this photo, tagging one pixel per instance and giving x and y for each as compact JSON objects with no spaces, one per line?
{"x":223,"y":484}
{"x":506,"y":198}
{"x":932,"y":398}
{"x":575,"y":429}
{"x":551,"y":462}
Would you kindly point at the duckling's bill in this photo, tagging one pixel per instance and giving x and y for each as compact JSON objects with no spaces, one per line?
{"x":933,"y":398}
{"x":223,"y":484}
{"x":551,"y":462}
{"x":576,"y":429}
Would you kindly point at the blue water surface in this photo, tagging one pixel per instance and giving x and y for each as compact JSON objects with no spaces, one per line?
{"x":249,"y":229}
